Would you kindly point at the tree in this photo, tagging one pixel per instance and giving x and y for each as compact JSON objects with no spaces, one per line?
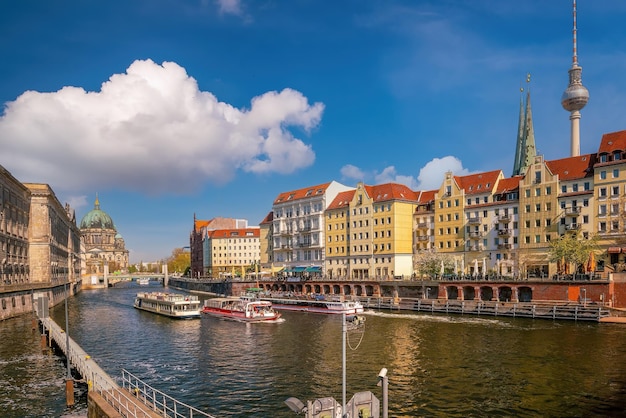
{"x":428,"y":263}
{"x":179,"y":261}
{"x":572,"y":249}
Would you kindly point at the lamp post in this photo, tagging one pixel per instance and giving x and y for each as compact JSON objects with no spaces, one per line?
{"x":69,"y":382}
{"x":383,"y":381}
{"x":584,"y":297}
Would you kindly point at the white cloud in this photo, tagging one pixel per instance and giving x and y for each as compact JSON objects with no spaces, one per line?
{"x":151,"y":129}
{"x":352,"y":172}
{"x":430,"y":176}
{"x":230,"y":7}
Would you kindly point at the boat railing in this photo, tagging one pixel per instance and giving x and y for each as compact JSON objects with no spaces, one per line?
{"x":158,"y":400}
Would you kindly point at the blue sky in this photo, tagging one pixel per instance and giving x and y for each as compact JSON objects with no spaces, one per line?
{"x":170,"y":108}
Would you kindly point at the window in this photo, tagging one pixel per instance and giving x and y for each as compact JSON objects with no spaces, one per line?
{"x":563,"y":189}
{"x":469,"y":202}
{"x":548,"y":206}
{"x":602,"y":227}
{"x":527,"y":192}
{"x":602,"y":210}
{"x":602,"y":192}
{"x":548,"y":190}
{"x":615,"y":191}
{"x":548,"y":222}
{"x":585,"y":219}
{"x":537,"y":239}
{"x":587,"y":186}
{"x":586,"y":203}
{"x":603,"y":175}
{"x":527,"y":209}
{"x":537,"y":222}
{"x":537,"y":207}
{"x":537,"y":191}
{"x":537,"y":177}
{"x":527,"y":224}
{"x":615,"y":173}
{"x":527,"y":239}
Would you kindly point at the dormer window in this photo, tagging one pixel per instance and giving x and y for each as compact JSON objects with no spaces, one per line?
{"x":617,"y":156}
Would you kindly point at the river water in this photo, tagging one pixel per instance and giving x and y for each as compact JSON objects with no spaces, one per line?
{"x":438,"y":366}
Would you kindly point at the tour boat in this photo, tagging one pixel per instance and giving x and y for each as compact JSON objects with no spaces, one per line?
{"x":174,"y":305}
{"x":240,"y":309}
{"x":316,"y":306}
{"x":144,"y":281}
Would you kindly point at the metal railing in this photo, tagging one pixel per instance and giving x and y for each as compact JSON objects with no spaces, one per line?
{"x":158,"y":400}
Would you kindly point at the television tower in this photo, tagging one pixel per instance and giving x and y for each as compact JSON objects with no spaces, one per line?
{"x":575,"y":96}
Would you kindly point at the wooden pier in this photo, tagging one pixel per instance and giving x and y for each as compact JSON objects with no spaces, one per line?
{"x":132,"y":399}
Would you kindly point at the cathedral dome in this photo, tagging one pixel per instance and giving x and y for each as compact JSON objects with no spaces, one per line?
{"x":96,"y":219}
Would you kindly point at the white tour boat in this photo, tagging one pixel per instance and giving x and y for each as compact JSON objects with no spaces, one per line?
{"x":240,"y":309}
{"x":316,"y":306}
{"x":174,"y":305}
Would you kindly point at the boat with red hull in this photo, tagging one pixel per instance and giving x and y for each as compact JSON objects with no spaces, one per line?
{"x":241,"y":309}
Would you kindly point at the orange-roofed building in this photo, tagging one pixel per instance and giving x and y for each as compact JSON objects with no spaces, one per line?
{"x":233,"y":253}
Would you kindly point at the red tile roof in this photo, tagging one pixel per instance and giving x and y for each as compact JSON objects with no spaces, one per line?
{"x":268,"y":218}
{"x":342,"y":200}
{"x":615,"y":141}
{"x":391,"y":191}
{"x":572,"y":168}
{"x":320,"y":189}
{"x":478,"y":183}
{"x":508,"y":184}
{"x":426,"y":196}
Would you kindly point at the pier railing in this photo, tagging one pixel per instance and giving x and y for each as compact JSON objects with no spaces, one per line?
{"x":568,"y":311}
{"x":134,"y":399}
{"x":157,"y":399}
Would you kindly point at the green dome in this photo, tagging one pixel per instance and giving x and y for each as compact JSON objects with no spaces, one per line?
{"x":96,"y":219}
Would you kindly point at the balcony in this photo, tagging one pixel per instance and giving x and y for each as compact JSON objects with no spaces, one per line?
{"x":474,"y":248}
{"x":474,"y":221}
{"x":504,"y":218}
{"x":504,"y":232}
{"x":504,"y":246}
{"x":572,"y":227}
{"x":574,"y":211}
{"x":423,"y":238}
{"x":422,"y":225}
{"x":475,"y":234}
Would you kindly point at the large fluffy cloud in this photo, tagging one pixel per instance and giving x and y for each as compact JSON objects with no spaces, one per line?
{"x":151,"y":129}
{"x":430,"y":176}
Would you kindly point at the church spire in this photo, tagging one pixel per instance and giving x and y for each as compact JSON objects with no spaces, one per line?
{"x":525,"y":149}
{"x":96,"y":204}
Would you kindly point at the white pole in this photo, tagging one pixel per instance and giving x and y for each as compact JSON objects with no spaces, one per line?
{"x":343,"y":362}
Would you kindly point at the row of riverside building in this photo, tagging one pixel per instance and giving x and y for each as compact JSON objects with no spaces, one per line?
{"x":484,"y":223}
{"x":40,"y":246}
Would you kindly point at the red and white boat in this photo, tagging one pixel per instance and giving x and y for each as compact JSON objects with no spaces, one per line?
{"x":316,"y":306}
{"x":240,"y":309}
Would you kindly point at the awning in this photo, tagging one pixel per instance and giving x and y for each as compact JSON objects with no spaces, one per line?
{"x":298,"y":269}
{"x":614,"y":250}
{"x":313,"y":269}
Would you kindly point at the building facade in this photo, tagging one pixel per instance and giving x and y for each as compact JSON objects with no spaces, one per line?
{"x":104,"y":245}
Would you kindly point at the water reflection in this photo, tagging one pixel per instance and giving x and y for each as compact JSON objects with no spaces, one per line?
{"x":438,"y":366}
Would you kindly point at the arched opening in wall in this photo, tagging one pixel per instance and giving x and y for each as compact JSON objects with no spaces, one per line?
{"x":336,"y":289}
{"x":326,"y":289}
{"x":347,"y":290}
{"x":23,"y":300}
{"x":307,"y":289}
{"x":469,"y":293}
{"x":13,"y":301}
{"x":525,"y":294}
{"x":453,"y":292}
{"x":4,"y":303}
{"x":486,"y":293}
{"x":358,"y":291}
{"x":504,"y":294}
{"x":369,"y":290}
{"x":317,"y":288}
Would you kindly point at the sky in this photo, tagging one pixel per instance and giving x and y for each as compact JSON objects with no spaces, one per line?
{"x":170,"y":109}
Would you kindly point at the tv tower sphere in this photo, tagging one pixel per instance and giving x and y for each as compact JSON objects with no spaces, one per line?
{"x":576,"y":95}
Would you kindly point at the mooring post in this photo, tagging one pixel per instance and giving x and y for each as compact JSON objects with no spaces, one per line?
{"x":69,"y":392}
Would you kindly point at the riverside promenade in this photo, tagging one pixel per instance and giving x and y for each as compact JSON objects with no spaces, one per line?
{"x":106,"y":398}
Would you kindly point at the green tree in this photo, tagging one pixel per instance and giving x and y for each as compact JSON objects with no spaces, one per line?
{"x":179,"y":261}
{"x":572,"y":249}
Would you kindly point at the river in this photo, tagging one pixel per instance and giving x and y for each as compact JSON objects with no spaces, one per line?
{"x":438,"y":366}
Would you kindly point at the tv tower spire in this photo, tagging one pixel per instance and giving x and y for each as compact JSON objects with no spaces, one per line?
{"x":576,"y":95}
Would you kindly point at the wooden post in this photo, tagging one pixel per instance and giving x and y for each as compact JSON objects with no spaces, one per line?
{"x":69,"y":392}
{"x":44,"y":341}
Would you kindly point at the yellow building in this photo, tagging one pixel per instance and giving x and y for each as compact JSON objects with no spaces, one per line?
{"x":337,"y":224}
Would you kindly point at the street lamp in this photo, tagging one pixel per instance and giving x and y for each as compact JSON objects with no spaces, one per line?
{"x":584,"y":296}
{"x":69,"y":383}
{"x":383,"y":381}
